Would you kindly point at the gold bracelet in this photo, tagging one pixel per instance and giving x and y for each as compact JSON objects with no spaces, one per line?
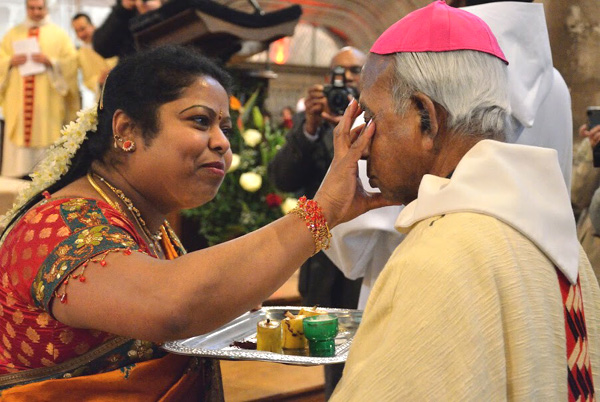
{"x":310,"y":211}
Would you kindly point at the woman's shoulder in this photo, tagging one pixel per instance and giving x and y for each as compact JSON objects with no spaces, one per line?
{"x":73,"y":213}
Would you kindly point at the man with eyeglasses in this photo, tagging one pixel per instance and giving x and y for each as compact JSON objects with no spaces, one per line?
{"x":300,"y":166}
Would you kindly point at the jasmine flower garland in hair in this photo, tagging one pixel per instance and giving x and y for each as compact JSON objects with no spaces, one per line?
{"x":57,"y":160}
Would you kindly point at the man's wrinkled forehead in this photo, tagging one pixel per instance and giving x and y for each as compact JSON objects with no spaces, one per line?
{"x":375,"y":68}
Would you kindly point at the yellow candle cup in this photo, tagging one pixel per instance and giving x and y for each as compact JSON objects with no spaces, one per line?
{"x":293,"y":333}
{"x":268,"y":336}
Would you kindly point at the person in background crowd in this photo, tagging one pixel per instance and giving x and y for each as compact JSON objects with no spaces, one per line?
{"x":94,"y":67}
{"x":113,"y":37}
{"x":585,"y":197}
{"x":287,"y":113}
{"x":477,"y":302}
{"x":35,"y":106}
{"x":299,"y":166}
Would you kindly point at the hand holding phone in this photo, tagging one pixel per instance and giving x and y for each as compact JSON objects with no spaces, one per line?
{"x":593,"y":113}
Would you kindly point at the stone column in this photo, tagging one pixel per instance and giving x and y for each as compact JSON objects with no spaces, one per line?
{"x":574,"y":27}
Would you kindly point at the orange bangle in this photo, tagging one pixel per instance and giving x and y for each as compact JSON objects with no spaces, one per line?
{"x":310,"y":211}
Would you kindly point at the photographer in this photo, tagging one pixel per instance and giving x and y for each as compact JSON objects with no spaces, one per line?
{"x":300,"y":166}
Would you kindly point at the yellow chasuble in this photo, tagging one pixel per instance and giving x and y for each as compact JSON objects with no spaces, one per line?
{"x":93,"y":66}
{"x":467,"y":309}
{"x":53,"y":100}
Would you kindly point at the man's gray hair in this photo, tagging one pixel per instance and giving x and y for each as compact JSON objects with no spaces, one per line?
{"x":471,"y":86}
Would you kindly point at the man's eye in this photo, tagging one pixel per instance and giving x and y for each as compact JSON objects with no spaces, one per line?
{"x":227,"y":131}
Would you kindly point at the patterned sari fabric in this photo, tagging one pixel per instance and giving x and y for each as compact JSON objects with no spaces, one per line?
{"x":51,"y":245}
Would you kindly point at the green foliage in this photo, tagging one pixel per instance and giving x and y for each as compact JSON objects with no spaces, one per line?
{"x":235,"y":211}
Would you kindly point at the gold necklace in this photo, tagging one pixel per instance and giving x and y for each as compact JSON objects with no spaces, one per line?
{"x":154,"y":239}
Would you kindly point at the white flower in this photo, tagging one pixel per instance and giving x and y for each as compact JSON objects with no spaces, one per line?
{"x":57,"y":160}
{"x":252,"y":137}
{"x":288,"y":205}
{"x":250,"y":181}
{"x":235,"y":163}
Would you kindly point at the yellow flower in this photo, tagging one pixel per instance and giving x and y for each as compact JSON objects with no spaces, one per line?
{"x":288,"y":205}
{"x":235,"y":163}
{"x":250,"y":181}
{"x":252,"y":137}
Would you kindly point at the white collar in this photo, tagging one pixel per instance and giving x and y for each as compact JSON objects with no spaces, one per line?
{"x":29,"y":23}
{"x":518,"y":184}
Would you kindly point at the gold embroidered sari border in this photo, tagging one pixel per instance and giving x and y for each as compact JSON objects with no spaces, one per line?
{"x":32,"y":375}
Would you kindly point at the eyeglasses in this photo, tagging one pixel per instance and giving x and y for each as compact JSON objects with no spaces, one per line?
{"x":353,"y":69}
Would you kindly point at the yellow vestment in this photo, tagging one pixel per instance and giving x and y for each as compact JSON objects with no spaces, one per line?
{"x":93,"y":66}
{"x":54,"y":100}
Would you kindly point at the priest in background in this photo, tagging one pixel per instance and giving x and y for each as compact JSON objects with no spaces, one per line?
{"x":94,"y":67}
{"x":36,"y":104}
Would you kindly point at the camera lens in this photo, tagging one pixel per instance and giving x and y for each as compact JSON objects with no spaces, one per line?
{"x":338,"y":100}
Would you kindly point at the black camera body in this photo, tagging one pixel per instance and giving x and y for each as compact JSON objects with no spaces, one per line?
{"x":338,"y":91}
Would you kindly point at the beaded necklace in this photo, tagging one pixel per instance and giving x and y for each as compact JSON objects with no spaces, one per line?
{"x":154,"y":238}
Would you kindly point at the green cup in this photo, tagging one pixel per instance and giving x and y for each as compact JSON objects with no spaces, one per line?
{"x":321,"y":330}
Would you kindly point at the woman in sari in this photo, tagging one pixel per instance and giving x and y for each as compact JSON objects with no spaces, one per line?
{"x":94,"y":279}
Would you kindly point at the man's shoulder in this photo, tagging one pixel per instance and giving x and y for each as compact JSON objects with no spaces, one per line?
{"x":52,"y":27}
{"x":452,"y":234}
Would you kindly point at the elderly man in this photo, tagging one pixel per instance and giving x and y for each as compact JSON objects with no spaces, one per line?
{"x":489,"y":296}
{"x":94,"y":67}
{"x":300,"y":166}
{"x":541,"y":114}
{"x":35,"y":106}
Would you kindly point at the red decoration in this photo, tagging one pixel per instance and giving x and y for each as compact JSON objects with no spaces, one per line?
{"x":273,"y":200}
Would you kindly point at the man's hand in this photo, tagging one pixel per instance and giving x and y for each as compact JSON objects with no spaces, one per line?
{"x":315,"y":103}
{"x":593,"y":135}
{"x":148,"y":5}
{"x":41,"y":58}
{"x":128,"y":4}
{"x":17,"y":60}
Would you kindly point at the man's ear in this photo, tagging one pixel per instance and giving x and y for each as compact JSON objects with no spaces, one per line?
{"x":430,"y":118}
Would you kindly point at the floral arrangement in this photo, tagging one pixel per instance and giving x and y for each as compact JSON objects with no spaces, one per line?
{"x":57,"y":160}
{"x":246,"y":200}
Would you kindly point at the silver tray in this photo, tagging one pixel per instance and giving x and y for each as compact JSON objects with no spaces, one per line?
{"x":218,"y":344}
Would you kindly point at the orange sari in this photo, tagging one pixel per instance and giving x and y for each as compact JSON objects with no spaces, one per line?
{"x":44,"y":359}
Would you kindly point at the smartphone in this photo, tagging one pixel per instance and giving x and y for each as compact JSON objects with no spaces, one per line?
{"x":593,"y":113}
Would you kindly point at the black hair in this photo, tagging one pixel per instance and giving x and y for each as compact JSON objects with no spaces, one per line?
{"x":82,"y":15}
{"x":138,"y":85}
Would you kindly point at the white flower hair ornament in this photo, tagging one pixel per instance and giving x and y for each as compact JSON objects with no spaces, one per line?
{"x":57,"y":160}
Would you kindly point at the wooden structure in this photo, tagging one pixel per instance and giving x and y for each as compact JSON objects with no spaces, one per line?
{"x":217,"y":30}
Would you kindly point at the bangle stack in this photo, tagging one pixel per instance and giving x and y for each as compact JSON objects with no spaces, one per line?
{"x":310,"y":211}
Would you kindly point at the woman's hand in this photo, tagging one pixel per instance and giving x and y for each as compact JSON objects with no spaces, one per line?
{"x":341,"y":195}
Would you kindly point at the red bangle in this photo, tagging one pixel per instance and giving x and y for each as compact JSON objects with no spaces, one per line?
{"x":310,"y":211}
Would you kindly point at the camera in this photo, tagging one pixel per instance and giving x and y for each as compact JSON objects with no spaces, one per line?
{"x":337,"y":92}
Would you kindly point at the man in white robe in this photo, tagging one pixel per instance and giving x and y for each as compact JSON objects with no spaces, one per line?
{"x":540,"y":107}
{"x":480,"y":299}
{"x":35,"y":106}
